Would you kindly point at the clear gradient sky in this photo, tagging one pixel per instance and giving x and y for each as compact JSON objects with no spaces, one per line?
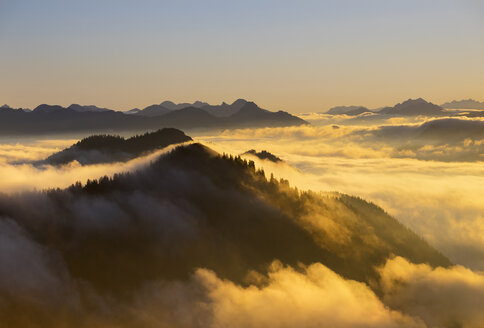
{"x":298,"y":56}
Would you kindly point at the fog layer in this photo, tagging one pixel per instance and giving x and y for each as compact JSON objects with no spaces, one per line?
{"x":434,"y":185}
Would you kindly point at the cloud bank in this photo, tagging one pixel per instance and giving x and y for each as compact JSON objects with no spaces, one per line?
{"x":25,"y":177}
{"x":312,"y":296}
{"x":418,"y":182}
{"x":154,"y":249}
{"x":451,"y":297}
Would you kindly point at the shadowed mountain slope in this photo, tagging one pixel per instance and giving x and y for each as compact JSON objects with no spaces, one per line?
{"x":251,"y":115}
{"x":95,"y":247}
{"x":107,"y":148}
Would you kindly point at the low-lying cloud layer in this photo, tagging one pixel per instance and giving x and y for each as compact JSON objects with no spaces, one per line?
{"x":112,"y":259}
{"x":439,"y":198}
{"x":305,"y":296}
{"x":328,"y":159}
{"x":18,"y":152}
{"x":24,"y":176}
{"x":460,"y":140}
{"x":412,"y":190}
{"x":313,"y":296}
{"x":451,"y":297}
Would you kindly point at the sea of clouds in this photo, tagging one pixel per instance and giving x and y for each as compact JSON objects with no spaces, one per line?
{"x":434,"y":189}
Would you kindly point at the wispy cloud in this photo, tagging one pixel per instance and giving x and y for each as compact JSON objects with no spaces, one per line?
{"x":24,"y":177}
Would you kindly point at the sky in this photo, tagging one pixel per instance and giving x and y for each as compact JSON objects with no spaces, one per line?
{"x":298,"y":56}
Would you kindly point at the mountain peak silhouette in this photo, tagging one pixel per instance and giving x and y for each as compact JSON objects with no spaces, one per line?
{"x":44,"y":108}
{"x":97,"y":149}
{"x":88,"y":108}
{"x":249,"y":107}
{"x":413,"y":107}
{"x":411,"y":102}
{"x":168,"y":104}
{"x":172,"y":106}
{"x":239,"y":102}
{"x":348,"y":110}
{"x":199,"y":104}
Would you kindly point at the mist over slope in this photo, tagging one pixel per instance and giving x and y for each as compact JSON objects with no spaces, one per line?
{"x":430,"y":180}
{"x":192,"y":228}
{"x":109,"y":148}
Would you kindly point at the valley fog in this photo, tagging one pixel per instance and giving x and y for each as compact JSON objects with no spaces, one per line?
{"x":438,"y":197}
{"x":440,"y":200}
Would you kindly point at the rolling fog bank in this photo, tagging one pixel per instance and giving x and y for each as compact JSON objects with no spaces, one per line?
{"x":154,"y":248}
{"x":413,"y":177}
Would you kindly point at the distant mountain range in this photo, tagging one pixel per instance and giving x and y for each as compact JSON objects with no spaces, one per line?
{"x":108,"y":148}
{"x":464,"y":104}
{"x":413,"y":107}
{"x":76,"y":118}
{"x":441,"y":130}
{"x":7,"y":107}
{"x":348,"y":110}
{"x":223,"y":110}
{"x":440,"y":139}
{"x":410,"y":107}
{"x":90,"y":108}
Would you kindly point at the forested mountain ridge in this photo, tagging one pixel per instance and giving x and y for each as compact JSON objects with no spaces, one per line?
{"x":111,"y":148}
{"x":102,"y":243}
